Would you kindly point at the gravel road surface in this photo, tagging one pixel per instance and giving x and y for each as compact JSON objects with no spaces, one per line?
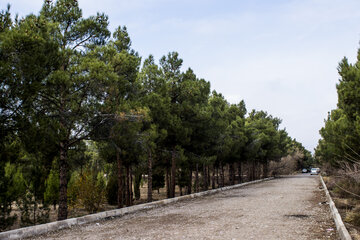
{"x":285,"y":208}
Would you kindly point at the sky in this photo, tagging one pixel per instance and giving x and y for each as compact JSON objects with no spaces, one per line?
{"x":280,"y":56}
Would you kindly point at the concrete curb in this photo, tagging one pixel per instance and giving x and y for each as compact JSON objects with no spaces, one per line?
{"x":68,"y":223}
{"x":340,"y":227}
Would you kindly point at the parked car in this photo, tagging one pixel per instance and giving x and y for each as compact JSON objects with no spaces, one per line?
{"x":304,"y":170}
{"x":314,"y":171}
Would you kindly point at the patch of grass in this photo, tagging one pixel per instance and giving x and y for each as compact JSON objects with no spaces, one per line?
{"x":353,"y":216}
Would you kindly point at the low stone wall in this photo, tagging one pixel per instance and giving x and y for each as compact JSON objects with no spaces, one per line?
{"x":68,"y":223}
{"x":342,"y":231}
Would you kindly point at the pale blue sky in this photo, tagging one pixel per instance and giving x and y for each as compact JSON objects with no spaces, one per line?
{"x":280,"y":56}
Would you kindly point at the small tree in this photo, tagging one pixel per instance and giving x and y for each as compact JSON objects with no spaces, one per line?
{"x":51,"y":195}
{"x":87,"y":190}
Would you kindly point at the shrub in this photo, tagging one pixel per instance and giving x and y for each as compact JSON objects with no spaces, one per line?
{"x":87,"y":190}
{"x":32,"y":212}
{"x":51,"y":194}
{"x":11,"y":185}
{"x":347,"y":188}
{"x":353,"y":216}
{"x":112,"y":190}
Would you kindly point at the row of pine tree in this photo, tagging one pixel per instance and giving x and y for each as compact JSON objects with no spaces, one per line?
{"x":85,"y":120}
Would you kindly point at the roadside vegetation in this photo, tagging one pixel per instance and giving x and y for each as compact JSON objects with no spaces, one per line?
{"x":87,"y":124}
{"x":338,"y":150}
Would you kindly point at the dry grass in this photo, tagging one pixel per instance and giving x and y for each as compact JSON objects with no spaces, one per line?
{"x":347,"y":204}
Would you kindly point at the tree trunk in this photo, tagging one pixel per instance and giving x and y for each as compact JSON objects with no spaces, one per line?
{"x":167,"y":182}
{"x":137,"y":182}
{"x":266,"y":169}
{"x":149,"y":195}
{"x":213,"y":179}
{"x":253,"y":170}
{"x":120,"y":180}
{"x":231,"y":174}
{"x":205,"y":186}
{"x":189,"y":182}
{"x":258,"y":170}
{"x":208,"y":176}
{"x":127,"y":187}
{"x":239,"y":172}
{"x":62,"y":211}
{"x":131,"y":186}
{"x":173,"y":173}
{"x":222,"y":178}
{"x":197,"y":178}
{"x":217,"y":176}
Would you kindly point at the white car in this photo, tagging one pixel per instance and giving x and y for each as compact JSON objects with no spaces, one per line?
{"x":314,"y":171}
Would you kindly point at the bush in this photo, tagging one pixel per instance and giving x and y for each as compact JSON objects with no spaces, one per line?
{"x":287,"y":165}
{"x":32,"y":212}
{"x":87,"y":190}
{"x":51,"y":194}
{"x":353,"y":217}
{"x":112,"y":190}
{"x":347,"y":188}
{"x":11,"y":185}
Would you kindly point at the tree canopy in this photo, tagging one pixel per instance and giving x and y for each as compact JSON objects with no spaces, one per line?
{"x":80,"y":109}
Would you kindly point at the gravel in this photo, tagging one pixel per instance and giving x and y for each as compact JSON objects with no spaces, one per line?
{"x":285,"y":208}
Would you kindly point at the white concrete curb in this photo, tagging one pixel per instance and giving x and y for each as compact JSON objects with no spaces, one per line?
{"x":68,"y":223}
{"x":343,"y":232}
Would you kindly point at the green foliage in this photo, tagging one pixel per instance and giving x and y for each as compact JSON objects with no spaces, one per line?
{"x":32,"y":211}
{"x":23,"y":191}
{"x":87,"y":190}
{"x":74,"y":101}
{"x":340,"y":136}
{"x":112,"y":189}
{"x":51,"y":194}
{"x":10,"y":189}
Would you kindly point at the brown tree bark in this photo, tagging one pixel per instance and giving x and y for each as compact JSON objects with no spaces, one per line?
{"x":173,"y":174}
{"x":266,"y":169}
{"x":231,"y":174}
{"x":217,"y":176}
{"x":213,"y":179}
{"x":249,"y":171}
{"x":208,"y":176}
{"x":167,"y":182}
{"x":205,"y":183}
{"x":149,"y":195}
{"x":189,"y":182}
{"x":120,"y":180}
{"x":131,"y":186}
{"x":253,"y":170}
{"x":197,"y":178}
{"x":239,"y":173}
{"x":62,"y":211}
{"x":127,"y":187}
{"x":222,"y":178}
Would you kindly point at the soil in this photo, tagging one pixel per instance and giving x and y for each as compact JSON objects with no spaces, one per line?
{"x":285,"y":208}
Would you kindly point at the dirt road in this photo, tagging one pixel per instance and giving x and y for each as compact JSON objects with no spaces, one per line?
{"x":284,"y":208}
